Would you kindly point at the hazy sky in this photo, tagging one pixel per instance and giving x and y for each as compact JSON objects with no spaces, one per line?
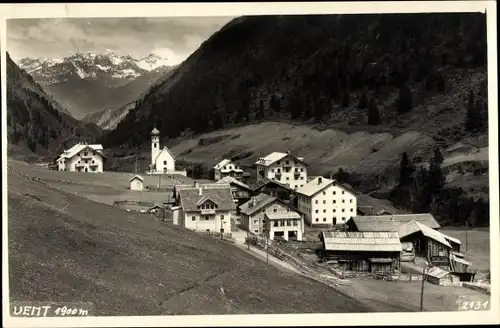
{"x":174,"y":37}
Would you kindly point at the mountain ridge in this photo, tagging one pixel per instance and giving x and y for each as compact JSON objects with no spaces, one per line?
{"x":90,"y":82}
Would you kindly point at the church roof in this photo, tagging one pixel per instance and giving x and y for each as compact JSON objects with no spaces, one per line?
{"x":155,"y":132}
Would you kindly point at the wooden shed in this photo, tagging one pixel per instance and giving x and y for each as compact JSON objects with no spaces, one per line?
{"x":428,"y":243}
{"x":440,"y":277}
{"x":454,"y":242}
{"x":376,"y":252}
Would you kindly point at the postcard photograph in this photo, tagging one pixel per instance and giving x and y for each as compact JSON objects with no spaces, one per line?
{"x":324,"y":163}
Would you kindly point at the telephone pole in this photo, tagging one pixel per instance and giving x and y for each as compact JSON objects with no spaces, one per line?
{"x":466,"y":228}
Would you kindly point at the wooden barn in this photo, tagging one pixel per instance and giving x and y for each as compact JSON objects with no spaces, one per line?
{"x":428,"y":243}
{"x":389,"y":222}
{"x":375,"y":252}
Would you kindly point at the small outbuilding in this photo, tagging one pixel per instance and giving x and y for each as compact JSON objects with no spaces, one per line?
{"x":441,"y":277}
{"x":136,"y":183}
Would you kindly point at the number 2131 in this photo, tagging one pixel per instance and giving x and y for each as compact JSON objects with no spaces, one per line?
{"x":473,"y":305}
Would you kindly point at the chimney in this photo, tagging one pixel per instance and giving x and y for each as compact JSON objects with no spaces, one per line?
{"x":200,"y":191}
{"x":320,"y":180}
{"x":196,"y":184}
{"x":254,"y":201}
{"x":288,"y":152}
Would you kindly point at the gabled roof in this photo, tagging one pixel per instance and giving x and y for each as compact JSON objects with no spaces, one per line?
{"x":221,"y":164}
{"x":414,"y":226}
{"x":237,"y":182}
{"x":392,"y":222}
{"x":314,"y":186}
{"x":136,"y":177}
{"x":190,"y":198}
{"x":437,"y":272}
{"x":204,"y":199}
{"x":361,"y":241}
{"x":257,"y":203}
{"x":283,"y":215}
{"x":78,"y":148}
{"x":452,"y":239}
{"x":178,"y":188}
{"x":276,"y":156}
{"x":164,"y":149}
{"x":256,"y":185}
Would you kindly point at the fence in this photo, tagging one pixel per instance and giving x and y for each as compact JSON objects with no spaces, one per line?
{"x":225,"y":236}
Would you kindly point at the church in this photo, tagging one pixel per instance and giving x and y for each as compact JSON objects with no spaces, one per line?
{"x":162,"y":160}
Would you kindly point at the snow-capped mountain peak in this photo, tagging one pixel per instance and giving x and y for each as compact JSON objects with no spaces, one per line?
{"x":90,"y":65}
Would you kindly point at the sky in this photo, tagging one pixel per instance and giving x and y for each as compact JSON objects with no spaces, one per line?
{"x":174,"y":38}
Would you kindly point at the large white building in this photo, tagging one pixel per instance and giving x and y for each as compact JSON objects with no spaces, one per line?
{"x":162,"y":160}
{"x":283,"y":168}
{"x":226,"y":168}
{"x":82,"y":157}
{"x":325,"y":202}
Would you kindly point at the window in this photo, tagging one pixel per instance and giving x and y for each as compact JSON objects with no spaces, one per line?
{"x":334,"y":210}
{"x":287,"y":162}
{"x":255,"y":221}
{"x":324,"y":201}
{"x":275,"y":210}
{"x":272,"y":170}
{"x":350,"y":200}
{"x":256,"y":231}
{"x":316,"y":211}
{"x":301,"y":178}
{"x":343,"y":210}
{"x":93,"y":161}
{"x":287,"y":178}
{"x":207,"y":217}
{"x":334,"y":192}
{"x":208,"y":230}
{"x":193,"y":218}
{"x":343,"y":200}
{"x":275,"y":223}
{"x":295,"y":222}
{"x":324,"y":211}
{"x":316,"y":202}
{"x":324,"y":219}
{"x":317,"y":219}
{"x":324,"y":192}
{"x":154,"y":145}
{"x":288,"y":223}
{"x":334,"y":201}
{"x":343,"y":192}
{"x":302,"y":170}
{"x":343,"y":219}
{"x":352,"y":210}
{"x":222,"y":217}
{"x":282,"y":223}
{"x":164,"y":162}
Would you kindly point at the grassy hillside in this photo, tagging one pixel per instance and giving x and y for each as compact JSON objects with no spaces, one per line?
{"x":37,"y":125}
{"x":75,"y":250}
{"x":331,"y":69}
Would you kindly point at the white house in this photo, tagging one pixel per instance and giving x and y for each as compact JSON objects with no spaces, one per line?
{"x":162,"y":160}
{"x":268,"y":214}
{"x":206,"y":209}
{"x":284,"y":168}
{"x":325,"y":202}
{"x":82,"y":157}
{"x":136,"y":182}
{"x":226,"y":168}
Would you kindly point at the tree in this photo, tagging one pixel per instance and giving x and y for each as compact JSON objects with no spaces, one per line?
{"x":363,"y":101}
{"x":474,"y":119}
{"x":441,"y":83}
{"x":406,"y":170}
{"x":274,"y":103}
{"x":404,"y":102}
{"x":261,"y":113}
{"x":346,"y":99}
{"x":373,"y":113}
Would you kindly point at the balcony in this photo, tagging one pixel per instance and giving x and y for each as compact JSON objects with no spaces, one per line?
{"x":207,"y":211}
{"x":278,"y":176}
{"x":86,"y":155}
{"x":296,"y":174}
{"x":79,"y":164}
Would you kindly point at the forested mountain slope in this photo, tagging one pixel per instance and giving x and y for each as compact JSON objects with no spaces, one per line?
{"x":408,"y":71}
{"x":37,"y":125}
